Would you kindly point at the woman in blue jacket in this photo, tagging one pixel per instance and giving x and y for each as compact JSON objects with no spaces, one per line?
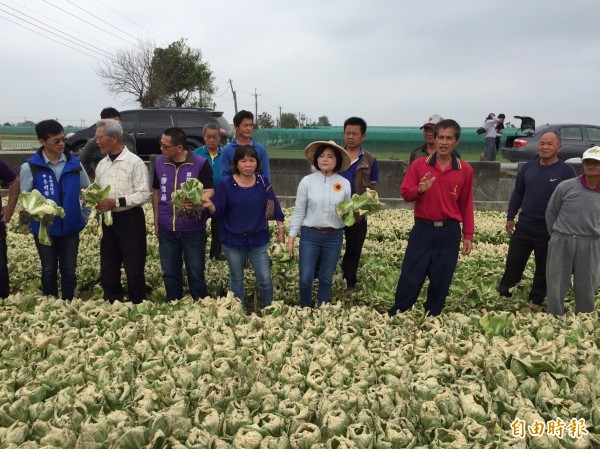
{"x":240,"y":204}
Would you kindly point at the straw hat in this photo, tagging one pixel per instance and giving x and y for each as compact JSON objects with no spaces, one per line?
{"x":309,"y":153}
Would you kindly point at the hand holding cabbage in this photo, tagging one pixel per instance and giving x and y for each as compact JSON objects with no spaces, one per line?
{"x":92,"y":195}
{"x":359,"y":205}
{"x":34,"y":206}
{"x":188,"y":198}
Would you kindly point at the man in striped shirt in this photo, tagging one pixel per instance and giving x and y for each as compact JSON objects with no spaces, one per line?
{"x":124,"y":242}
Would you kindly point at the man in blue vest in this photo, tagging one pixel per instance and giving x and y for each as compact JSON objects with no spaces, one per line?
{"x":60,"y":177}
{"x":180,"y":238}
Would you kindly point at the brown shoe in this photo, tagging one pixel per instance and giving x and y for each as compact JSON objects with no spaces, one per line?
{"x":535,"y":307}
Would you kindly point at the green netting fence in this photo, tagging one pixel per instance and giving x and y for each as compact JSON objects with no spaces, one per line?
{"x":379,"y":138}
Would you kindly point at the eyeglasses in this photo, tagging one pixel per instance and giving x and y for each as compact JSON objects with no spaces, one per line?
{"x":166,"y":147}
{"x":56,"y":141}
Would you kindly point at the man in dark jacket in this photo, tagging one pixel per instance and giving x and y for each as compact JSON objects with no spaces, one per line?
{"x":60,"y":177}
{"x":363,"y":173}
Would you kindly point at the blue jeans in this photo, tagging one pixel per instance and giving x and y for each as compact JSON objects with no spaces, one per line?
{"x":191,"y":245}
{"x":259,"y":258}
{"x":315,"y":245}
{"x":62,"y":254}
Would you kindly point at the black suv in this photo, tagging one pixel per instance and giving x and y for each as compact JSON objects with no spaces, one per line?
{"x":147,"y":125}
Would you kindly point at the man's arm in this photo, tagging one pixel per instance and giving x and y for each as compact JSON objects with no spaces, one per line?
{"x":467,"y":209}
{"x":13,"y":194}
{"x":141,"y":192}
{"x":413,"y":185}
{"x":26,"y":178}
{"x":516,"y":200}
{"x":265,"y":166}
{"x":553,"y":208}
{"x":374,"y":175}
{"x":155,"y":197}
{"x":225,"y":162}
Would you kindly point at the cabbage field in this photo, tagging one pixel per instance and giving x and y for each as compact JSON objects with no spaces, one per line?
{"x":487,"y":373}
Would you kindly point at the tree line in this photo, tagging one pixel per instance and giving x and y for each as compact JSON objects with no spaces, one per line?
{"x":175,"y":76}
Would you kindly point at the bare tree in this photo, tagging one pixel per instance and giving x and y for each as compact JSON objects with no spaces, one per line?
{"x":129,"y":72}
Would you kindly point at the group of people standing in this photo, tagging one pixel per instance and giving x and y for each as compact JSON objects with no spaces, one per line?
{"x":239,"y":200}
{"x":559,"y":221}
{"x":237,"y":192}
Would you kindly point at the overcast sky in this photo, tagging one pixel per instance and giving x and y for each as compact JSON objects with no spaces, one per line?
{"x":392,"y":62}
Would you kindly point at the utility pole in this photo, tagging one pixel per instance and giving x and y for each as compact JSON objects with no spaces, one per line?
{"x":255,"y":104}
{"x":234,"y":97}
{"x":280,"y":114}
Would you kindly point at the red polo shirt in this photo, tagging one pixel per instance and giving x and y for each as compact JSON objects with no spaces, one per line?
{"x":450,"y":195}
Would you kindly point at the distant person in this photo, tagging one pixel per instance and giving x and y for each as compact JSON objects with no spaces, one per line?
{"x":315,"y":218}
{"x":363,"y":173}
{"x":490,"y":135}
{"x":573,"y":220}
{"x":10,"y":179}
{"x":240,"y":204}
{"x":429,"y":147}
{"x":212,"y":151}
{"x":441,"y":186}
{"x":124,"y":242}
{"x":181,"y":239}
{"x":499,"y":130}
{"x":90,"y":154}
{"x":534,"y":186}
{"x":59,"y":176}
{"x":243,"y":122}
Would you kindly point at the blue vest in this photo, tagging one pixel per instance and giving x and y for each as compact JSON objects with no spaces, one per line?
{"x":170,"y":178}
{"x":64,"y":191}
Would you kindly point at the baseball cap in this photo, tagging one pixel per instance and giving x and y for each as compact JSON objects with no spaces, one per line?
{"x":591,"y":153}
{"x":432,"y":120}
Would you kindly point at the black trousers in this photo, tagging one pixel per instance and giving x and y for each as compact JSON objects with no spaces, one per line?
{"x":4,"y":279}
{"x":355,"y":238}
{"x":432,"y":252}
{"x":524,"y":240}
{"x":216,"y":247}
{"x":124,"y":243}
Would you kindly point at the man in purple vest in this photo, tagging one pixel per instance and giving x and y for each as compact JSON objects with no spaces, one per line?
{"x":180,"y":238}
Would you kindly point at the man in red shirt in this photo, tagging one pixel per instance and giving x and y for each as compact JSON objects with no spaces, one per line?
{"x":441,"y":186}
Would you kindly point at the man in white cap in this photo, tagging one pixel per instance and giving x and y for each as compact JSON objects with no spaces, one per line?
{"x":573,"y":220}
{"x":429,"y":147}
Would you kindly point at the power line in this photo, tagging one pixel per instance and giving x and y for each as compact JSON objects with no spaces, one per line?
{"x":45,"y":26}
{"x":107,"y":23}
{"x":48,"y":37}
{"x":85,"y":21}
{"x":130,"y":20}
{"x":61,"y":24}
{"x":85,"y":46}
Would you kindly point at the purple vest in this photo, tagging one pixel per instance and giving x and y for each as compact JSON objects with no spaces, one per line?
{"x":170,"y":178}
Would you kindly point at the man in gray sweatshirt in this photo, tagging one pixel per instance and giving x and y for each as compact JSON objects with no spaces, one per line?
{"x":573,"y":220}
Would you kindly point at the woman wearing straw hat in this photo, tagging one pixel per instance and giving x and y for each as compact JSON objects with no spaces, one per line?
{"x":316,"y":219}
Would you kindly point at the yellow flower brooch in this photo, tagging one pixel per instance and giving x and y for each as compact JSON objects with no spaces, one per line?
{"x":337,"y":187}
